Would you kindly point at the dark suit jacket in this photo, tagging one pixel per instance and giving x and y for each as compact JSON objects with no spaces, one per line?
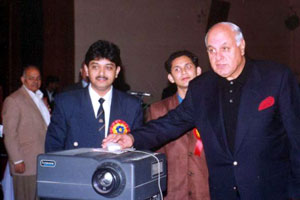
{"x":265,"y":164}
{"x":74,"y":86}
{"x":73,"y":123}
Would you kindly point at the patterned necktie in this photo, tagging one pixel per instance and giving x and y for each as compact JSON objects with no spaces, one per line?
{"x":100,"y":116}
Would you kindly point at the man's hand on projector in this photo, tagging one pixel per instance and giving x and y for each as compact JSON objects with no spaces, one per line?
{"x":125,"y":141}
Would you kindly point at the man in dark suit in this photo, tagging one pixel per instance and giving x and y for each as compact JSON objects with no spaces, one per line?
{"x":50,"y":89}
{"x":83,"y":117}
{"x":82,"y":83}
{"x":248,"y":114}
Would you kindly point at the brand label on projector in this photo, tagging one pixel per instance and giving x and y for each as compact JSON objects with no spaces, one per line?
{"x":47,"y":163}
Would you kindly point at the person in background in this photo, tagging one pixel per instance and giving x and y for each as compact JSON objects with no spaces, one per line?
{"x":83,"y":117}
{"x":82,"y":83}
{"x":187,"y":169}
{"x":50,"y":90}
{"x":248,"y":114}
{"x":25,"y":120}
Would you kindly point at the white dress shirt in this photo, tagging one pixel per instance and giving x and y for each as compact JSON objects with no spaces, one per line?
{"x":106,"y":104}
{"x":37,"y":97}
{"x":50,"y":95}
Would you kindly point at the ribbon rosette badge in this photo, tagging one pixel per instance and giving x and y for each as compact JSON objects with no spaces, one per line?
{"x":199,"y":144}
{"x":119,"y":127}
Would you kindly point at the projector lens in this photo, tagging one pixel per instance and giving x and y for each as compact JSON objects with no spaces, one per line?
{"x":108,"y":180}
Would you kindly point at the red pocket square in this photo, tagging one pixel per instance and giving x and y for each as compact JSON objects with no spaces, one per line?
{"x":266,"y":103}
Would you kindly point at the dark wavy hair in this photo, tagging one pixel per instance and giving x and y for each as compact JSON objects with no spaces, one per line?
{"x":103,"y":49}
{"x":173,"y":56}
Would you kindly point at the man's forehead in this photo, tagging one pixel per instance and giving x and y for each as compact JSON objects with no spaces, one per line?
{"x":32,"y":72}
{"x":221,"y":29}
{"x":102,"y":61}
{"x":182,"y":58}
{"x":220,"y":38}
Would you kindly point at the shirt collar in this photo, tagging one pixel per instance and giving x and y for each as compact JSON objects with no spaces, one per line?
{"x":50,"y":92}
{"x":179,"y":98}
{"x":95,"y":96}
{"x":84,"y":83}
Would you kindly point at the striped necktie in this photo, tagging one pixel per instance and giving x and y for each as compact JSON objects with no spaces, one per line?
{"x":100,"y":116}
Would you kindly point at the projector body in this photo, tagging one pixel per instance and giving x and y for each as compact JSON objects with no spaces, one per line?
{"x":98,"y":174}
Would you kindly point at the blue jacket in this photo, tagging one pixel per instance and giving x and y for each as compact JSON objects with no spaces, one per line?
{"x":73,"y":123}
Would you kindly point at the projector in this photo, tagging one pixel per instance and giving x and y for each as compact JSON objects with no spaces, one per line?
{"x":88,"y":173}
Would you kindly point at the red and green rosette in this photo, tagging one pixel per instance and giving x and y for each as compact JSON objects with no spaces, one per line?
{"x":119,"y":127}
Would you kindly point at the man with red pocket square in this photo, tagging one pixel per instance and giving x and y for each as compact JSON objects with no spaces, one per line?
{"x":248,"y":114}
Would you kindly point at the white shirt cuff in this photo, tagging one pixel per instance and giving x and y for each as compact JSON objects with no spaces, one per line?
{"x":18,"y":162}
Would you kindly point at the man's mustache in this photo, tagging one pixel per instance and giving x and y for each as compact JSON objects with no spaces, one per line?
{"x":101,"y":77}
{"x":34,"y":85}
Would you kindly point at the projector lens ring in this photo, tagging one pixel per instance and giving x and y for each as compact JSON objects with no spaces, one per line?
{"x":108,"y":180}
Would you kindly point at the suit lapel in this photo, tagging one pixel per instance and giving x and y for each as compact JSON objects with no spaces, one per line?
{"x":215,"y":114}
{"x":248,"y":107}
{"x":87,"y":111}
{"x":115,"y":108}
{"x":173,"y":103}
{"x":30,"y":101}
